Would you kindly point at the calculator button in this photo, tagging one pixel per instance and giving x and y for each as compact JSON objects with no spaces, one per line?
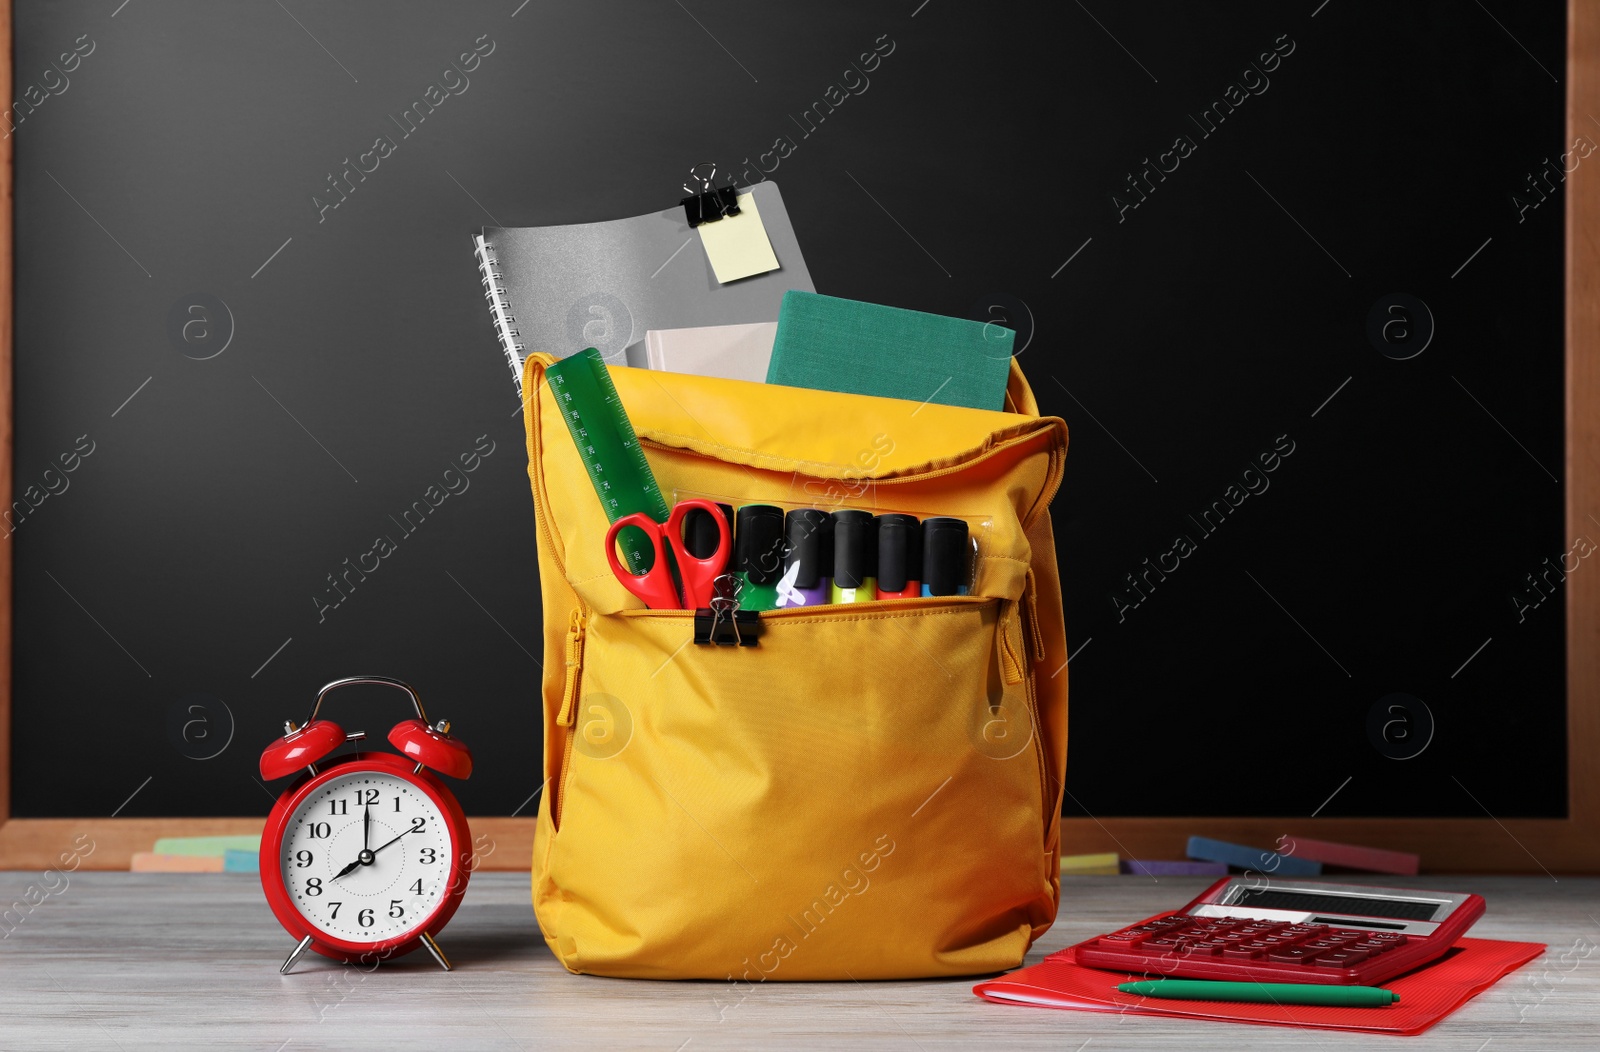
{"x":1246,"y":953}
{"x":1292,"y":955}
{"x":1159,"y":945}
{"x":1304,"y":929}
{"x":1121,"y":941}
{"x":1340,"y":958}
{"x":1346,"y":933}
{"x":1201,"y":949}
{"x":1371,"y":949}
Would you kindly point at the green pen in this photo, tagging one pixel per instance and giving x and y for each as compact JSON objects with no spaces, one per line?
{"x":1264,"y":993}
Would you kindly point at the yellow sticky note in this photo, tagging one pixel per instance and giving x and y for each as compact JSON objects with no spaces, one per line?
{"x":737,"y":245}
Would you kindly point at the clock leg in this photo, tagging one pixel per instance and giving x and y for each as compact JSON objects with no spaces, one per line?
{"x":433,"y":948}
{"x":295,"y":956}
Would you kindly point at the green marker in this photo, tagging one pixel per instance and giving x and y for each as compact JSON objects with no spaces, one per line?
{"x":758,"y":555}
{"x":1264,"y":993}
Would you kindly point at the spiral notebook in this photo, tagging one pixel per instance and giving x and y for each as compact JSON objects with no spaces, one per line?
{"x":559,"y":289}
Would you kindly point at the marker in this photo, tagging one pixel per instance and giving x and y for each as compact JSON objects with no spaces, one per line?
{"x":1264,"y":993}
{"x":807,"y":558}
{"x":758,"y":555}
{"x":899,"y":556}
{"x":855,"y":557}
{"x":946,"y":558}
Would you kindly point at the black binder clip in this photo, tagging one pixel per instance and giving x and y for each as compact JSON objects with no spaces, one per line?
{"x":739,"y":628}
{"x":708,"y":204}
{"x":723,"y":623}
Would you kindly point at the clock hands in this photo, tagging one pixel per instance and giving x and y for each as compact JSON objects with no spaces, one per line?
{"x":363,"y":859}
{"x":368,"y":855}
{"x":416,"y":825}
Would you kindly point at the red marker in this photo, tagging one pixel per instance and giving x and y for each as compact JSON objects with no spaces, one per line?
{"x":899,"y":556}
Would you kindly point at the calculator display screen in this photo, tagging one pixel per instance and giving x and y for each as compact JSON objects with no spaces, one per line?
{"x":1272,"y":898}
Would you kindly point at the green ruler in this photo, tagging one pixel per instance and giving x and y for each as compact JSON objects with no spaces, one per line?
{"x":609,"y":448}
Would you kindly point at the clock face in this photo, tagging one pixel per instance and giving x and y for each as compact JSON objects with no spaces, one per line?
{"x":366,"y":857}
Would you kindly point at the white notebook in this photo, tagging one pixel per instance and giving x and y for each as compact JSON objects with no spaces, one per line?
{"x":733,"y":352}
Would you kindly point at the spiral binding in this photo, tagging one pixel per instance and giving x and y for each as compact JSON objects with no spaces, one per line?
{"x":500,"y":307}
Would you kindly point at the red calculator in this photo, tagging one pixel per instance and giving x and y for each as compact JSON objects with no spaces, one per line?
{"x":1247,"y":928}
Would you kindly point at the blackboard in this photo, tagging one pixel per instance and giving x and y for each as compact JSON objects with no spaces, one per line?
{"x":1292,"y":275}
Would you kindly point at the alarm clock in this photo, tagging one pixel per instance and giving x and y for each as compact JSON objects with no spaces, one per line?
{"x":365,"y":857}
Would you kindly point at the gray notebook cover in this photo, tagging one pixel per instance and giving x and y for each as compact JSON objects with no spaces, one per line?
{"x":560,"y":289}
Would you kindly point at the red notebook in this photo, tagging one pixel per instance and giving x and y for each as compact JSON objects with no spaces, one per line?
{"x":1427,"y":994}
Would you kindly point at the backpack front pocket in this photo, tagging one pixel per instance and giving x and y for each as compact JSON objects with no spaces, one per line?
{"x":863,"y":794}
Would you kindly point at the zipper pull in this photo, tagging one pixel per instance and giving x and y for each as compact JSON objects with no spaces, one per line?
{"x":1013,"y":662}
{"x":569,"y":696}
{"x":1030,"y":597}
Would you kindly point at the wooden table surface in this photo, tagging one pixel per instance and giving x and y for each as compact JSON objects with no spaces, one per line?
{"x":162,"y":961}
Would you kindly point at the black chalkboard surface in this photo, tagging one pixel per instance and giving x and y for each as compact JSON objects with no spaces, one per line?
{"x":1291,"y":273}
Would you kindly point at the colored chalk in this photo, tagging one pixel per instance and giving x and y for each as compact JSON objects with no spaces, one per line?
{"x":206,"y":845}
{"x":1353,"y":856}
{"x":241,"y":861}
{"x":1103,"y":865}
{"x":1254,"y":859}
{"x":1173,"y":868}
{"x":152,"y":862}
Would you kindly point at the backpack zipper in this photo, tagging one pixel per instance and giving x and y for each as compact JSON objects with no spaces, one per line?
{"x":574,"y":675}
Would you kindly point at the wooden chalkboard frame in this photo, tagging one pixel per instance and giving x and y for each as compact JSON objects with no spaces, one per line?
{"x":1487,"y":844}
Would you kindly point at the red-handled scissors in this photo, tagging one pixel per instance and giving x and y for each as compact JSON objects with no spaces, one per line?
{"x":655,"y":586}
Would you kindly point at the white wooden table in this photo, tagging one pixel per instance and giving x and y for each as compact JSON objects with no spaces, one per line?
{"x":157,"y":961}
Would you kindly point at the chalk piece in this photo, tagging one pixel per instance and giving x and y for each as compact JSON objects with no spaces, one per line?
{"x":1254,"y":859}
{"x":1104,"y":865}
{"x":205,"y":845}
{"x":151,"y":862}
{"x":738,"y":246}
{"x":241,"y":861}
{"x":1173,"y":868}
{"x":1353,"y":856}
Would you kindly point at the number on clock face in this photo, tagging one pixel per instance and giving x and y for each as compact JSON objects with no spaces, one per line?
{"x":408,"y":870}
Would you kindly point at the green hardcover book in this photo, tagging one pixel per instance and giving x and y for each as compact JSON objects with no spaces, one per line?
{"x":852,"y":347}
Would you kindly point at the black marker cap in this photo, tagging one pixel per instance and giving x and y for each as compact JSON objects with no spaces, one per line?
{"x":808,"y":533}
{"x":759,"y":551}
{"x":700,"y":535}
{"x":945,"y":555}
{"x":899,"y":551}
{"x":855,"y":548}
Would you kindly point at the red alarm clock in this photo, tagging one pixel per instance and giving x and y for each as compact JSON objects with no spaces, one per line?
{"x":368,"y":857}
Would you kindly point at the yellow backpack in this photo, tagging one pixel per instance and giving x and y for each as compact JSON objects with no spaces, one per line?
{"x":873,"y":791}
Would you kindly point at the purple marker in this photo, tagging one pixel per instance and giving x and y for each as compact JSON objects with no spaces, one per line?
{"x":807,"y":558}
